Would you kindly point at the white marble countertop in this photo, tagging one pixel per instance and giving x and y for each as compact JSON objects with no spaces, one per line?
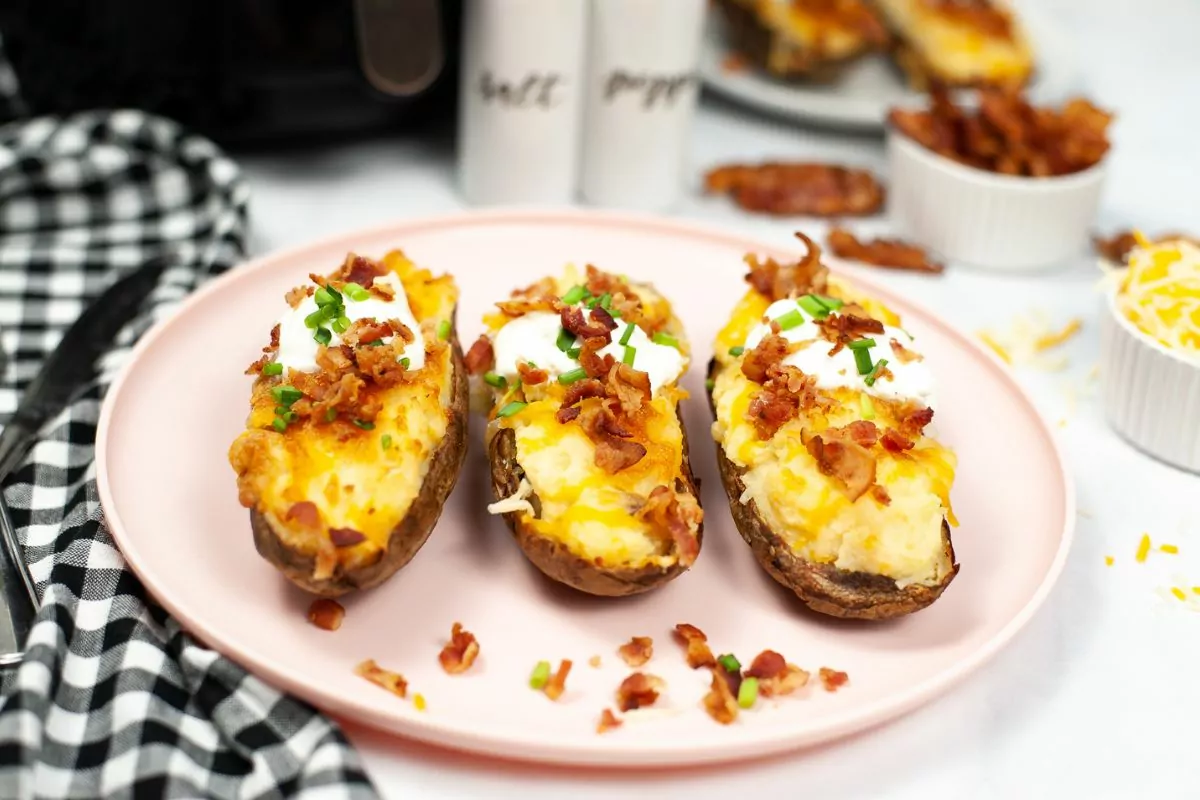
{"x":1098,"y":696}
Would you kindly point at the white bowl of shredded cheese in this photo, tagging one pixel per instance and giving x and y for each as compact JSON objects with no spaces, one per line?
{"x":1150,"y":350}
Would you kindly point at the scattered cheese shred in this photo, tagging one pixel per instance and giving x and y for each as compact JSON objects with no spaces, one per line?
{"x":1108,"y":561}
{"x":419,"y":702}
{"x":996,"y":347}
{"x":1169,"y":548}
{"x":1159,"y":292}
{"x":1196,"y":589}
{"x":1028,"y":338}
{"x":1143,"y":548}
{"x":1175,"y":590}
{"x":1049,"y":340}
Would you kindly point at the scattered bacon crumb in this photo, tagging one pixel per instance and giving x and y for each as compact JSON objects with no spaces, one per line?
{"x":845,"y":327}
{"x":599,"y":325}
{"x":881,"y":495}
{"x":532,"y":376}
{"x":295,"y":296}
{"x":637,"y":651}
{"x":823,"y":190}
{"x":558,"y":681}
{"x":720,"y":703}
{"x":698,"y":652}
{"x":734,"y":63}
{"x":346,"y":537}
{"x":460,"y":652}
{"x":638,"y":691}
{"x":850,"y":463}
{"x":832,"y":679}
{"x":481,"y":357}
{"x":678,"y":514}
{"x":608,"y":721}
{"x":775,"y":675}
{"x":786,"y":392}
{"x":895,"y":442}
{"x":392,"y":681}
{"x":889,"y":253}
{"x":305,"y":513}
{"x":594,"y":662}
{"x":326,"y":614}
{"x":903,"y":354}
{"x":778,"y":281}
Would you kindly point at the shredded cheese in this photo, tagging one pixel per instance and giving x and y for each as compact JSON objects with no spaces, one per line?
{"x":419,"y":702}
{"x":1175,"y":590}
{"x":1108,"y":561}
{"x":1028,"y":339}
{"x":1159,"y":293}
{"x":1143,"y":548}
{"x":518,"y":502}
{"x":1169,"y":548}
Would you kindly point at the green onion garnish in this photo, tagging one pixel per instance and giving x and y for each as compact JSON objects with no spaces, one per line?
{"x":315,"y":318}
{"x":281,"y":410}
{"x":323,"y":336}
{"x":540,"y":676}
{"x":790,"y":320}
{"x":386,"y":441}
{"x":375,"y":343}
{"x":323,"y":297}
{"x":365,"y":424}
{"x":443,"y":330}
{"x":330,"y":414}
{"x":340,"y":325}
{"x":574,"y":352}
{"x":565,"y":340}
{"x":709,"y":383}
{"x":289,"y":416}
{"x":748,"y":692}
{"x":730,"y":663}
{"x":331,"y":311}
{"x":627,"y":333}
{"x":736,"y":351}
{"x":832,"y":303}
{"x":404,"y":362}
{"x":630,"y":354}
{"x":279,"y":424}
{"x":665,"y":339}
{"x":286,"y":395}
{"x":574,"y":295}
{"x":510,"y":409}
{"x":868,"y":408}
{"x":874,"y":373}
{"x":568,"y":378}
{"x":813,"y":306}
{"x":606,"y":301}
{"x":495,"y":379}
{"x":355,"y":292}
{"x":272,"y":368}
{"x":861,"y":344}
{"x":862,"y":359}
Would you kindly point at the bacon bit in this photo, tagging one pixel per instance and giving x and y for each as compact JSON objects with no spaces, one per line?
{"x":734,"y":63}
{"x":614,"y":451}
{"x":392,"y":681}
{"x":768,"y":353}
{"x":862,"y":432}
{"x":779,"y":281}
{"x":638,"y":691}
{"x":594,"y":662}
{"x":629,"y":387}
{"x":580,"y":390}
{"x":305,"y":513}
{"x":459,"y":653}
{"x":784,"y":395}
{"x":637,"y":651}
{"x":295,"y":296}
{"x":608,"y":721}
{"x":600,"y":282}
{"x":832,"y":679}
{"x":326,"y":614}
{"x":822,"y":190}
{"x":775,"y":675}
{"x":889,"y":253}
{"x":1117,"y":247}
{"x":720,"y":703}
{"x":843,"y":328}
{"x":1143,"y":548}
{"x":881,"y":495}
{"x":357,"y":269}
{"x":567,"y":414}
{"x":520,"y":306}
{"x":851,"y":464}
{"x":481,"y":357}
{"x":594,"y":364}
{"x":903,"y":354}
{"x":345,"y":537}
{"x":532,"y":376}
{"x":600,"y":326}
{"x":895,"y":442}
{"x":698,"y":652}
{"x":678,"y":514}
{"x":558,"y":681}
{"x":365,"y":331}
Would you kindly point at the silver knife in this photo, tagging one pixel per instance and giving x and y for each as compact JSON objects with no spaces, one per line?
{"x":70,"y":367}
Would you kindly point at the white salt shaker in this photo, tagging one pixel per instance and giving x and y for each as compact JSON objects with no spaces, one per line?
{"x":642,"y":85}
{"x":521,"y":100}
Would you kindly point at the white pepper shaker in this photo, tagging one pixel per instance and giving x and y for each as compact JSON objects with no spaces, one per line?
{"x":642,"y":86}
{"x":521,"y":100}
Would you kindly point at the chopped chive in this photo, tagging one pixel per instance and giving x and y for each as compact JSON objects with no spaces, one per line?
{"x":337,"y":296}
{"x":286,"y":395}
{"x":315,"y":318}
{"x":375,"y":343}
{"x":574,"y":352}
{"x":404,"y":362}
{"x":365,"y":424}
{"x":606,"y":301}
{"x":615,"y":313}
{"x":861,"y":344}
{"x":790,"y":320}
{"x":330,"y":414}
{"x":832,"y":303}
{"x":565,"y":340}
{"x":323,"y":336}
{"x":443,"y":330}
{"x":574,"y":295}
{"x":812,"y":305}
{"x":386,"y":441}
{"x":868,"y":407}
{"x":279,"y":424}
{"x":331,"y":312}
{"x":730,"y":663}
{"x":874,"y":373}
{"x":736,"y":351}
{"x":862,"y":359}
{"x":355,"y":292}
{"x":576,"y":374}
{"x":593,"y":302}
{"x":272,"y":368}
{"x":630,"y":354}
{"x":627,"y":333}
{"x":665,"y":339}
{"x":510,"y":409}
{"x":495,"y":379}
{"x":709,"y":383}
{"x":323,"y":297}
{"x":748,"y":692}
{"x":289,"y":416}
{"x":281,"y":410}
{"x":540,"y":676}
{"x":340,"y":325}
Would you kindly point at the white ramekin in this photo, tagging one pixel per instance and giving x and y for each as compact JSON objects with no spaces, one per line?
{"x":1151,"y":393}
{"x":984,"y":219}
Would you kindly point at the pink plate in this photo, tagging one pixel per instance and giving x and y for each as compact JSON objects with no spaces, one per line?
{"x":169,"y":496}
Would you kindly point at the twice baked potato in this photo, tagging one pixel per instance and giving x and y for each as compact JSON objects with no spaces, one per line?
{"x":821,"y":403}
{"x":358,"y":424}
{"x":588,"y":453}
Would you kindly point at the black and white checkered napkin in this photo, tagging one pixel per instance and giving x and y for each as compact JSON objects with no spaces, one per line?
{"x":114,"y":700}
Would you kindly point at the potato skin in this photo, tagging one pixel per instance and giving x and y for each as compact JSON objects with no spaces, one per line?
{"x":553,"y":558}
{"x":412,"y":531}
{"x":822,"y":587}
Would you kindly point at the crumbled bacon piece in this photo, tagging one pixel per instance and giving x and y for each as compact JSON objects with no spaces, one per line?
{"x":823,"y":190}
{"x":608,"y":721}
{"x":783,"y":396}
{"x":295,"y":296}
{"x":629,"y":387}
{"x":862,"y":432}
{"x":519,"y":306}
{"x":460,"y":652}
{"x":614,"y":449}
{"x":913,"y":420}
{"x":720,"y":702}
{"x":881,"y":495}
{"x":365,"y":331}
{"x":326,"y":614}
{"x":532,"y":376}
{"x":638,"y":691}
{"x":698,"y":652}
{"x":599,"y":325}
{"x":1117,"y":248}
{"x":334,"y":359}
{"x":637,"y":651}
{"x":779,"y":281}
{"x":833,"y":679}
{"x":305,"y":513}
{"x":357,"y":269}
{"x":850,"y":463}
{"x":768,"y":353}
{"x":775,"y":675}
{"x":568,"y":414}
{"x":845,"y":327}
{"x":581,"y":390}
{"x":557,"y":683}
{"x":394,"y":682}
{"x":890,"y":253}
{"x":594,"y":364}
{"x":680,"y":515}
{"x":903,"y":354}
{"x":481,"y":357}
{"x":345,"y":537}
{"x":895,"y":442}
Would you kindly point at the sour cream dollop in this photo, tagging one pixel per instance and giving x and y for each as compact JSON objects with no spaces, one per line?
{"x":909,"y":380}
{"x":533,"y":338}
{"x":298,"y":348}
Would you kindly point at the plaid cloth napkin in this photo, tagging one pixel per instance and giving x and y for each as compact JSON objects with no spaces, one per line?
{"x":114,"y":700}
